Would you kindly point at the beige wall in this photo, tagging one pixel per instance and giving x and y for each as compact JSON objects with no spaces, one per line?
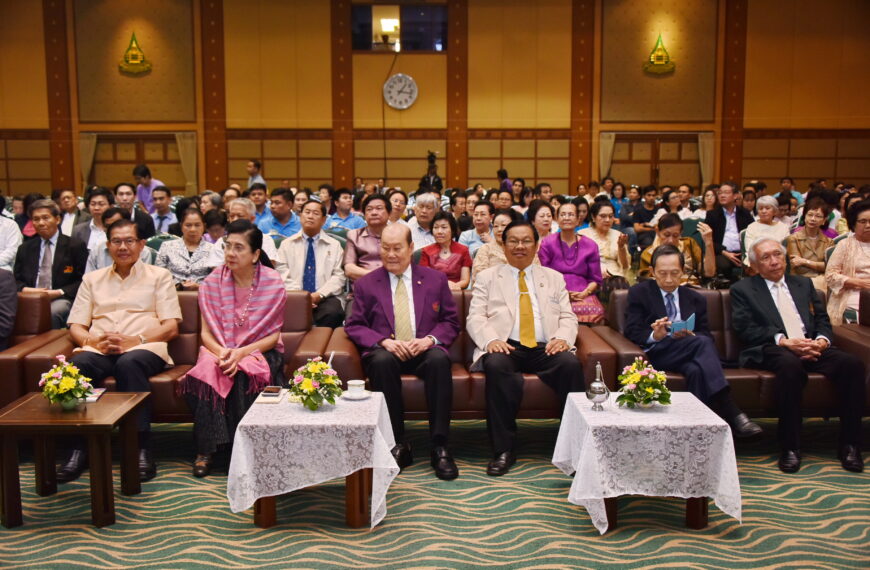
{"x":277,"y":61}
{"x":302,"y":162}
{"x":519,"y":64}
{"x":808,"y":64}
{"x":23,"y":95}
{"x":164,"y":30}
{"x":405,"y":163}
{"x":429,"y":71}
{"x":806,"y":160}
{"x":629,"y":32}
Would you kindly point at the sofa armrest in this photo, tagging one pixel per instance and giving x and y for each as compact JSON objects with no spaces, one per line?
{"x":12,"y":364}
{"x":43,"y":358}
{"x":313,"y":345}
{"x":346,"y":360}
{"x":591,"y":349}
{"x":626,"y":351}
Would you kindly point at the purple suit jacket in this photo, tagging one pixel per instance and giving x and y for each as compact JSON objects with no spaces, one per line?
{"x":372,"y":319}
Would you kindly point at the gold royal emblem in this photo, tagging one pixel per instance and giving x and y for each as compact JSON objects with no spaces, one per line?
{"x":659,"y":60}
{"x":134,"y":59}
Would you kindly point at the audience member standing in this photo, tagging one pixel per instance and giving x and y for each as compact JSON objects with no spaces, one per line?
{"x":253,"y":167}
{"x":145,"y":185}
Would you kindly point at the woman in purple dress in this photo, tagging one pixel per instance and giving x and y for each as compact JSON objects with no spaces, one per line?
{"x":577,"y":258}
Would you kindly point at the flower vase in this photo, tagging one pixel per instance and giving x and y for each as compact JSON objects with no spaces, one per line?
{"x":69,"y":405}
{"x":645,"y":405}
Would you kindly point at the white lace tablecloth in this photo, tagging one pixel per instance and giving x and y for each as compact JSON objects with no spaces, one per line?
{"x":282,"y":447}
{"x":681,"y":450}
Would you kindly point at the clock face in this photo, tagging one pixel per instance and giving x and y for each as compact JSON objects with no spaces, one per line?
{"x":400,"y":91}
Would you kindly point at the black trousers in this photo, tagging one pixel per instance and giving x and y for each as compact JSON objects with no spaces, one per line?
{"x":843,"y":369}
{"x":725,"y":268}
{"x":696,"y":358}
{"x":384,"y":370}
{"x":504,"y":386}
{"x":132,"y":370}
{"x":328,"y":313}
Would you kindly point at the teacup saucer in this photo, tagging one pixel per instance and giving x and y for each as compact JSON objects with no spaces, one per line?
{"x":356,"y":395}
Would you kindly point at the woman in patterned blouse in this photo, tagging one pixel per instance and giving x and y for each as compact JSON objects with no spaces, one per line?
{"x":188,"y":259}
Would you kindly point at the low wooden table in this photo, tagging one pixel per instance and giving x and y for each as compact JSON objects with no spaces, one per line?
{"x":33,"y":416}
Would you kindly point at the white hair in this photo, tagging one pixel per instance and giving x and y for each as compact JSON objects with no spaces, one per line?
{"x":249,"y":206}
{"x":768,"y":201}
{"x":752,"y":255}
{"x":427,"y":199}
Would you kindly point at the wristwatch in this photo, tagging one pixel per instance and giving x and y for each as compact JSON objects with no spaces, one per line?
{"x":141,"y":338}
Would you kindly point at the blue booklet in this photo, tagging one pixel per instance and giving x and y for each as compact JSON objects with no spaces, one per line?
{"x":687,"y":325}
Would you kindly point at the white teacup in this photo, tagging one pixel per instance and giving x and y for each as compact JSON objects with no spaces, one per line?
{"x":356,"y":386}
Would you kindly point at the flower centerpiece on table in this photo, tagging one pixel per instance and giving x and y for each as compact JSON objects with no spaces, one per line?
{"x":65,"y":384}
{"x":642,"y":385}
{"x":314,"y":383}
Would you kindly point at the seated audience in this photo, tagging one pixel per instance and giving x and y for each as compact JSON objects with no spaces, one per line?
{"x":842,"y":226}
{"x":612,"y":248}
{"x":312,"y":261}
{"x":520,"y":321}
{"x":99,"y":256}
{"x":326,"y":193}
{"x":189,"y":259}
{"x":727,"y":221}
{"x":618,"y":199}
{"x":300,"y":197}
{"x":582,"y":213}
{"x":92,"y":232}
{"x":492,"y":253}
{"x":457,"y":204}
{"x":671,"y":204}
{"x":24,"y":222}
{"x":750,"y":198}
{"x":399,"y":202}
{"x":446,"y":255}
{"x":709,"y":201}
{"x":541,"y":214}
{"x":687,"y":197}
{"x":343,"y":218}
{"x":8,"y":305}
{"x":697,"y":265}
{"x":402,"y":344}
{"x":161,"y":199}
{"x":785,"y":215}
{"x":848,"y":269}
{"x":362,"y":253}
{"x":806,"y":247}
{"x":209,"y":201}
{"x":256,"y":192}
{"x":283,"y":221}
{"x":241,"y":209}
{"x":228,"y":195}
{"x":643,"y":215}
{"x":785,"y":329}
{"x":544,"y":191}
{"x":242,"y":306}
{"x":69,"y":207}
{"x":125,"y":198}
{"x":421,"y":225}
{"x":766,"y":226}
{"x":10,"y":240}
{"x":503,"y":200}
{"x":655,"y":304}
{"x":481,"y":233}
{"x":53,"y":262}
{"x":121,"y":320}
{"x":576,"y":258}
{"x":215,"y":222}
{"x":466,"y":222}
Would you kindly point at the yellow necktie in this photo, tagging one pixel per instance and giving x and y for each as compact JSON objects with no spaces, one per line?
{"x":401,"y":312}
{"x":527,"y":316}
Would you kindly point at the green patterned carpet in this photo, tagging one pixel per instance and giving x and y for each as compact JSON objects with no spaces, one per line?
{"x":818,"y":518}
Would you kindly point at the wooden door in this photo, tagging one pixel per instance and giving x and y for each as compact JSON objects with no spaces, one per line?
{"x":117,"y":155}
{"x":658,"y":159}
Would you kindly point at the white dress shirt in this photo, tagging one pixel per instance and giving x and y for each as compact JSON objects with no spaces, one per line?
{"x":419,"y":236}
{"x":394,"y":281}
{"x":536,"y":310}
{"x":650,"y":340}
{"x":329,"y":278}
{"x":771,"y":286}
{"x":97,"y":236}
{"x":67,"y":223}
{"x":10,"y":241}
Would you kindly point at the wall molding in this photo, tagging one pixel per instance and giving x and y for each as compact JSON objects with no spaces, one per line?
{"x":806,"y":134}
{"x":498,"y":134}
{"x":214,"y":99}
{"x":279,"y":134}
{"x":25,"y":134}
{"x":342,"y":94}
{"x":59,"y":107}
{"x":731,"y":145}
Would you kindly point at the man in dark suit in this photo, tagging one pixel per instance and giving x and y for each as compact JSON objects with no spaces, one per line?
{"x":125,"y":197}
{"x":8,"y":307}
{"x":653,"y":305}
{"x":727,"y":221}
{"x":403,"y":321}
{"x":53,"y":263}
{"x":785,"y":329}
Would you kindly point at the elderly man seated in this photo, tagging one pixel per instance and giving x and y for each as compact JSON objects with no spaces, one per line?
{"x":121,"y":321}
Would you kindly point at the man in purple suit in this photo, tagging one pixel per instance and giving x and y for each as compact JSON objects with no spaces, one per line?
{"x":403,"y":321}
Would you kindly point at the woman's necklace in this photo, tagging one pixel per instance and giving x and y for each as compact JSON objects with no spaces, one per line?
{"x":240,"y":321}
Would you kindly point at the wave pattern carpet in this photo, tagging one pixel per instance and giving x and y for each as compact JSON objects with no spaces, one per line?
{"x":818,"y":518}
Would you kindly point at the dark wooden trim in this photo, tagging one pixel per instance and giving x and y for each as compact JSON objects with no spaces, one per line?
{"x":57,"y":75}
{"x":582,"y":85}
{"x":214,"y":104}
{"x":457,"y":94}
{"x":510,"y":134}
{"x":806,"y":134}
{"x":342,"y":94}
{"x":25,"y":134}
{"x":403,"y":134}
{"x":279,"y":134}
{"x":731,"y":149}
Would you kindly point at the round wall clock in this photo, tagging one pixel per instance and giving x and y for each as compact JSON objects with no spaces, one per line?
{"x":400,"y":91}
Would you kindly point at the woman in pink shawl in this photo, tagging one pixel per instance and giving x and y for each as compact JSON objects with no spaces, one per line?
{"x":242,"y":307}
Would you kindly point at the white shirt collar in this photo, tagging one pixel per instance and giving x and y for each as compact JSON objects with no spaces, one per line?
{"x":772,"y":284}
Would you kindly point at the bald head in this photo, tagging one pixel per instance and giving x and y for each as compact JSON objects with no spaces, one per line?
{"x":397,"y":232}
{"x":396,"y":248}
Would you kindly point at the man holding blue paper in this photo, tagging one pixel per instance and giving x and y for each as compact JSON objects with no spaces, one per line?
{"x":669,"y":322}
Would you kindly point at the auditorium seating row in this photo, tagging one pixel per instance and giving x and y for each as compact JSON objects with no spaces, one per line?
{"x":34,"y":347}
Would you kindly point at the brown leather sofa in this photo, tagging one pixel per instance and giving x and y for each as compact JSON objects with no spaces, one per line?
{"x":32,"y":330}
{"x":469,"y":401}
{"x":753,"y":390}
{"x":301,"y":342}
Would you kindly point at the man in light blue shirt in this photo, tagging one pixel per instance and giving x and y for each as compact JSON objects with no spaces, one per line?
{"x":162,"y":216}
{"x":283,"y":220}
{"x":343,"y":218}
{"x":253,"y":167}
{"x":481,"y":233}
{"x":787,"y":185}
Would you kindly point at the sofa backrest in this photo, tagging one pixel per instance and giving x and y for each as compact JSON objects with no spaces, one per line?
{"x":297,"y":322}
{"x":184,"y":348}
{"x":32,"y":318}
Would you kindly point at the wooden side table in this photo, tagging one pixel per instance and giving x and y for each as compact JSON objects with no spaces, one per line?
{"x":33,"y":416}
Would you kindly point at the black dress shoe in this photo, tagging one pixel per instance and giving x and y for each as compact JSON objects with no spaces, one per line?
{"x":744,"y":428}
{"x":202,"y":465}
{"x":147,"y":466}
{"x":442,"y":462}
{"x":790,"y":461}
{"x":501,"y":464}
{"x":402,"y":454}
{"x":72,"y":469}
{"x":850,"y":458}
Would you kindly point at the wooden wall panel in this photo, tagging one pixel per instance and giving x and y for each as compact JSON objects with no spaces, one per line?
{"x":731,"y":145}
{"x":342,"y":95}
{"x":456,"y":173}
{"x":582,"y":88}
{"x":59,"y":112}
{"x":214,"y":94}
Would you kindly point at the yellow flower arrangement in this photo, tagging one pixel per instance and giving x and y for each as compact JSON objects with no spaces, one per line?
{"x":641,"y":385}
{"x":314,"y":383}
{"x":65,"y":384}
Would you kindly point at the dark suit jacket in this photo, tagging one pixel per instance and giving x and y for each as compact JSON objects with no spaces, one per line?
{"x":82,"y":232}
{"x":8,"y":306}
{"x":645,"y":305}
{"x":144,"y":223}
{"x":757,"y":321}
{"x":716,"y":220}
{"x":79,"y":217}
{"x":372,"y":319}
{"x":70,"y":258}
